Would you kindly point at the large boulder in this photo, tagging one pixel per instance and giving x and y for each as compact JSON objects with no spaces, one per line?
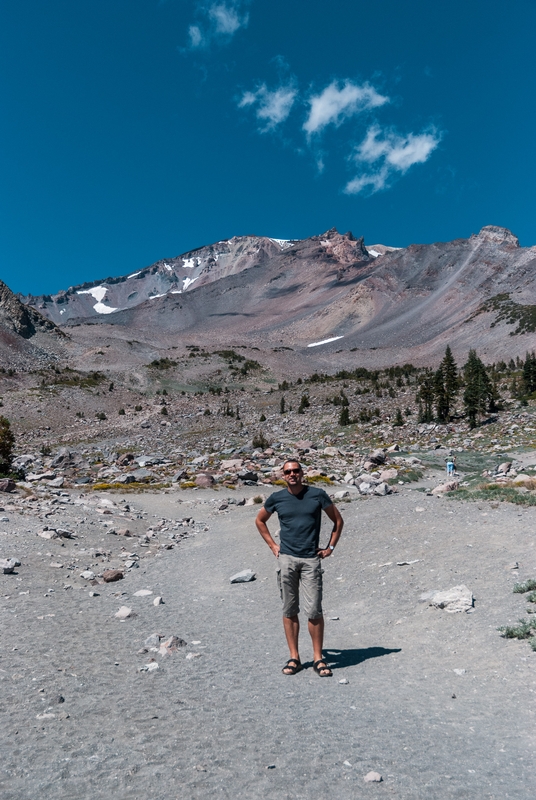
{"x":204,"y":480}
{"x":454,"y":600}
{"x":377,"y":456}
{"x":443,"y":488}
{"x":7,"y":485}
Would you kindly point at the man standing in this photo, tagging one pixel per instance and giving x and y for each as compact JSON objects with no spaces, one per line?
{"x":299,"y":509}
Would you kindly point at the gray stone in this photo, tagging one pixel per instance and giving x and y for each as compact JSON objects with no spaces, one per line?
{"x":7,"y":485}
{"x":364,"y":488}
{"x":243,"y":577}
{"x":111,"y":575}
{"x":443,"y":488}
{"x":179,"y":476}
{"x":454,"y":600}
{"x":153,"y":640}
{"x":7,"y":565}
{"x":124,"y":613}
{"x":152,"y":666}
{"x":63,"y":533}
{"x":204,"y":480}
{"x":143,"y":475}
{"x":128,"y":478}
{"x":377,"y":456}
{"x":342,"y":494}
{"x":373,"y":777}
{"x":88,"y":575}
{"x":248,"y":476}
{"x":331,"y":451}
{"x":142,"y":593}
{"x":382,"y":489}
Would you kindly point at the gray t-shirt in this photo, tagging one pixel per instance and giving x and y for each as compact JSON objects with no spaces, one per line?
{"x":299,"y":518}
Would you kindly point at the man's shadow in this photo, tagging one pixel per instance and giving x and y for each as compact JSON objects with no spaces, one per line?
{"x":339,"y":659}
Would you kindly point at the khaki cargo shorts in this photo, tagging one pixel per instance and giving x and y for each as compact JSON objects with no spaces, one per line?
{"x":305,"y":574}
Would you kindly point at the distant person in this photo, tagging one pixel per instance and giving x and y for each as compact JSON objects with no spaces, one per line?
{"x":451,"y":465}
{"x":299,"y":508}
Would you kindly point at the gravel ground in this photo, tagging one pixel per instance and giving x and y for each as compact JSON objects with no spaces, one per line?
{"x":226,"y":722}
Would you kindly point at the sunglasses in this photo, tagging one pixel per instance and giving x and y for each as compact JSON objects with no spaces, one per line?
{"x":291,"y":471}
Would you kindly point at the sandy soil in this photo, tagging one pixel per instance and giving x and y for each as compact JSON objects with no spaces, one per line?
{"x":226,"y":722}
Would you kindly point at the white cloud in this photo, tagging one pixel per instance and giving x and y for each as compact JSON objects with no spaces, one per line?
{"x":273,"y":107}
{"x":223,"y":20}
{"x":389,"y":153}
{"x":335,"y":104}
{"x":196,"y":37}
{"x":226,"y":18}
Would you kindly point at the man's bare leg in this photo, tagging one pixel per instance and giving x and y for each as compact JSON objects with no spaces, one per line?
{"x":292,"y":632}
{"x":316,"y":631}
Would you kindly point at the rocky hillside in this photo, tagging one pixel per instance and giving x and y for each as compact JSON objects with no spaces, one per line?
{"x":172,"y":276}
{"x":25,"y":334}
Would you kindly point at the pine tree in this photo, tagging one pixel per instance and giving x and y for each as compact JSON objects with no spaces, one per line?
{"x":344,"y":416}
{"x":304,"y":403}
{"x":399,"y":419}
{"x":478,"y":392}
{"x":282,"y":406}
{"x":529,"y":373}
{"x":7,"y":444}
{"x":425,"y":397}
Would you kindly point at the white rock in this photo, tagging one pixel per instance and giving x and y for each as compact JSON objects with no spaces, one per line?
{"x":459,"y":671}
{"x":454,"y":600}
{"x":348,"y":477}
{"x":341,"y":495}
{"x":243,"y":577}
{"x":142,"y":593}
{"x":373,"y":777}
{"x":7,"y":565}
{"x":189,"y":656}
{"x":87,"y":575}
{"x":344,"y":681}
{"x":364,"y":488}
{"x":443,"y":488}
{"x":382,"y":489}
{"x":151,"y":667}
{"x":48,"y":534}
{"x":158,"y":601}
{"x":123,"y":613}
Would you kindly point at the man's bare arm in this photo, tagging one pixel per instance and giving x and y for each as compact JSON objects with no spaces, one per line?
{"x":338,"y":524}
{"x":262,"y":518}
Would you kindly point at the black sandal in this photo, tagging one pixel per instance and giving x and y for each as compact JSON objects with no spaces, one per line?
{"x":293,"y":665}
{"x":320,"y":669}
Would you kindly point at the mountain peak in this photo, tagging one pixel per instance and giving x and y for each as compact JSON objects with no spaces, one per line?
{"x":497,"y":235}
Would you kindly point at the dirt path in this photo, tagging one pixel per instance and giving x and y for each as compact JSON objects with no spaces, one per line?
{"x":226,"y":722}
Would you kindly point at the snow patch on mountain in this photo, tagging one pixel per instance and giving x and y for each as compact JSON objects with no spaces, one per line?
{"x":283,"y":243}
{"x":99,"y":293}
{"x":325,"y":341}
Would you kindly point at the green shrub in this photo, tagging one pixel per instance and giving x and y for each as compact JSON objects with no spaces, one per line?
{"x":528,"y":586}
{"x":100,"y":415}
{"x":523,"y":630}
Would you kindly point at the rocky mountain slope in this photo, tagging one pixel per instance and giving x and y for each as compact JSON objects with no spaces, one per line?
{"x":168,"y":276}
{"x":25,"y":334}
{"x":317,"y":296}
{"x":400,"y":305}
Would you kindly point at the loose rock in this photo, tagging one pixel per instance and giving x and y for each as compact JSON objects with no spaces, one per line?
{"x":243,"y":577}
{"x":454,"y":600}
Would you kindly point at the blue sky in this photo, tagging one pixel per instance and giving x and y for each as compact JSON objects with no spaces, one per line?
{"x":133,"y":130}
